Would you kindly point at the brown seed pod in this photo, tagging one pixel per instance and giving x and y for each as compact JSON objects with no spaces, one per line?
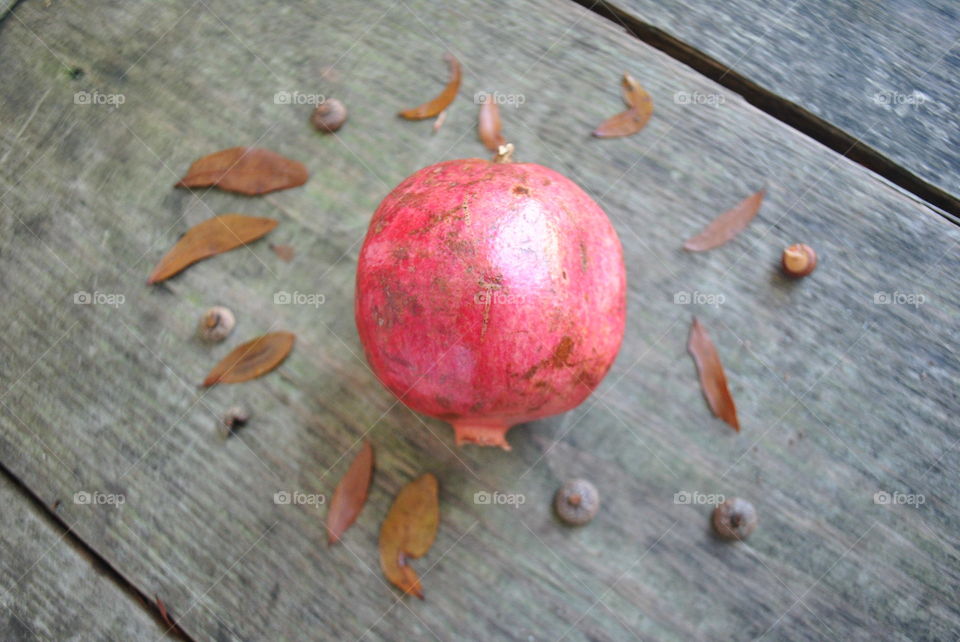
{"x":799,"y":260}
{"x":234,"y":418}
{"x":329,"y":115}
{"x":734,"y":519}
{"x":216,"y":323}
{"x":577,"y":502}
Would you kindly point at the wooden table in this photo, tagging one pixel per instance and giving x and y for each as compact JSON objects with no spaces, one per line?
{"x":846,"y":382}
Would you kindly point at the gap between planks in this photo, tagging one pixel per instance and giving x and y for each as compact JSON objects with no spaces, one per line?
{"x":790,"y":113}
{"x":49,"y":516}
{"x":6,"y":14}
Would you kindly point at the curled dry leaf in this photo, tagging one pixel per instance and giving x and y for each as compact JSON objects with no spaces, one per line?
{"x":488,"y":125}
{"x":712,"y":378}
{"x":211,"y":237}
{"x":408,"y":532}
{"x":727,"y":225}
{"x":247,"y":170}
{"x":442,"y":101}
{"x":350,"y":494}
{"x":251,"y":359}
{"x":639,"y":109}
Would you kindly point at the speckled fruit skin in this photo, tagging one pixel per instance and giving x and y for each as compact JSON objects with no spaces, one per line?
{"x":490,"y":294}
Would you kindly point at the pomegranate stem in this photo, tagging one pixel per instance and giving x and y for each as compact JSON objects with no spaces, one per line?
{"x":504,"y":154}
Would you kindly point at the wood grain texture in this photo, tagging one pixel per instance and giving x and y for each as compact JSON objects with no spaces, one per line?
{"x":52,"y":590}
{"x":838,"y":397}
{"x":884,"y":71}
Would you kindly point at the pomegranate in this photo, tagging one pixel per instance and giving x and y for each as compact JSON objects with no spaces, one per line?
{"x":490,"y":294}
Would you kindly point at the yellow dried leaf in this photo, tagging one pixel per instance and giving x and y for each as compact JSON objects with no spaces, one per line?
{"x":408,"y":532}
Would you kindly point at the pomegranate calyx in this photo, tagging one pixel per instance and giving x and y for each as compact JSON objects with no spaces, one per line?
{"x":467,"y":432}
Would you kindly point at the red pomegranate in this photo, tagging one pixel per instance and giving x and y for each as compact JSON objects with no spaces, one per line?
{"x":490,"y":293}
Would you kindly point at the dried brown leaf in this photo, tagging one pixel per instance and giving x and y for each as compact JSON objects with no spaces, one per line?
{"x":285,"y":252}
{"x":488,"y":124}
{"x":433,"y":107}
{"x":211,"y":237}
{"x":727,"y":225}
{"x":350,"y":494}
{"x":409,"y":531}
{"x":713,"y":381}
{"x":247,"y":170}
{"x":639,"y":109}
{"x":251,"y":359}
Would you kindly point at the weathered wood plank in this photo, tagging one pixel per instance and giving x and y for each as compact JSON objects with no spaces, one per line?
{"x":839,"y":397}
{"x":53,"y":591}
{"x":884,"y":71}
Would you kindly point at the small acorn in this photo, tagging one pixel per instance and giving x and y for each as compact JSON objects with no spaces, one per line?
{"x":799,"y":260}
{"x":216,"y":323}
{"x":577,"y":502}
{"x":234,"y":418}
{"x":734,"y":519}
{"x":329,"y":115}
